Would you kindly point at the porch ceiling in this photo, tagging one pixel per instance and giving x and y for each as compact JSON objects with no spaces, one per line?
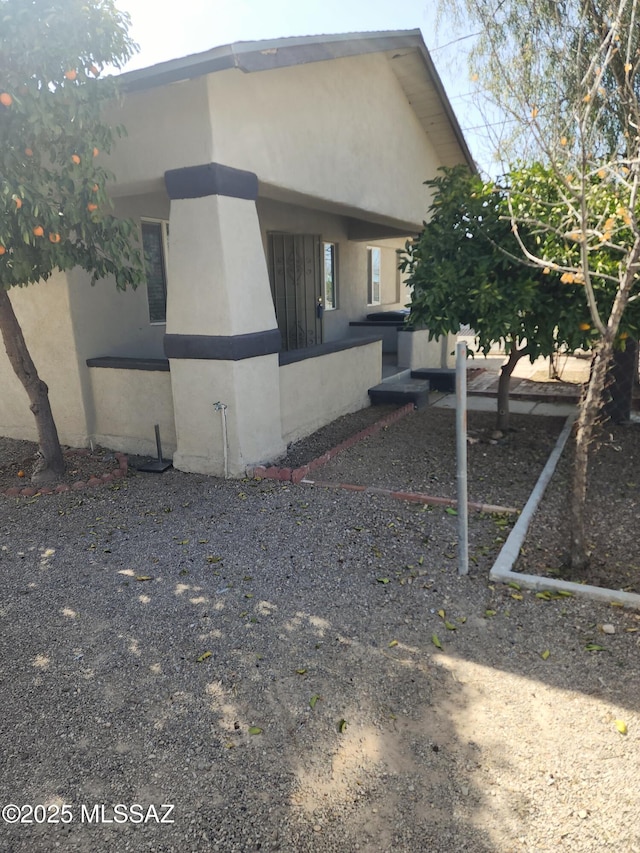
{"x":361,"y":225}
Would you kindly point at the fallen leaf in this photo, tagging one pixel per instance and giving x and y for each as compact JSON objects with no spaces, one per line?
{"x":144,"y":578}
{"x":382,"y":580}
{"x":514,"y":585}
{"x":545,"y":654}
{"x":546,"y":596}
{"x":342,"y":726}
{"x":451,"y":511}
{"x":489,"y":613}
{"x":621,"y":726}
{"x":183,"y":542}
{"x":441,"y":614}
{"x":214,"y":559}
{"x":449,"y":626}
{"x":301,"y":671}
{"x":517,"y":596}
{"x":436,"y":642}
{"x":203,"y":656}
{"x":255,"y":730}
{"x":594,"y":647}
{"x":393,"y":643}
{"x":313,"y":701}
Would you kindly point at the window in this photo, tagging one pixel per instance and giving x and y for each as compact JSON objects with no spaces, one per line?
{"x":373,"y":264}
{"x":155,"y":240}
{"x":329,"y":275}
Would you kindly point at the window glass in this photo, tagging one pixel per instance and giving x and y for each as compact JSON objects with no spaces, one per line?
{"x":154,"y":238}
{"x":373,"y":292}
{"x":329,"y":275}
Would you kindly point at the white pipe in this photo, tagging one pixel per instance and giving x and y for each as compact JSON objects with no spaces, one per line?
{"x":222,"y":408}
{"x":461,"y":457}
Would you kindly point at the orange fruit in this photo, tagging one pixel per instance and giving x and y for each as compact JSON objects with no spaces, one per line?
{"x":20,"y":473}
{"x":71,"y":74}
{"x":28,"y":152}
{"x":75,"y":159}
{"x":96,"y":151}
{"x":18,"y":202}
{"x":2,"y":250}
{"x":91,"y":207}
{"x":95,"y":188}
{"x":94,"y":70}
{"x":5,"y":99}
{"x":55,"y":238}
{"x":38,"y":231}
{"x":584,"y":327}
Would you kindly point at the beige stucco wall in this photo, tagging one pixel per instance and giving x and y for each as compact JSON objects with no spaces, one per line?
{"x":218,"y":270}
{"x":127,"y":406}
{"x":249,"y":390}
{"x":167,"y":128}
{"x":43,"y":312}
{"x":341,"y":130}
{"x":316,"y":391}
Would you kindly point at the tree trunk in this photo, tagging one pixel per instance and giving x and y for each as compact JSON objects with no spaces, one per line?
{"x":585,"y":426}
{"x":502,"y":420}
{"x":37,"y":391}
{"x":590,"y":408}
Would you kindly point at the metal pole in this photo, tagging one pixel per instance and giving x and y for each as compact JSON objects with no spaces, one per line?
{"x":461,"y":457}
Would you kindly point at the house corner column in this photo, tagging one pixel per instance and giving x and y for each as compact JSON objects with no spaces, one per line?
{"x":222,"y":340}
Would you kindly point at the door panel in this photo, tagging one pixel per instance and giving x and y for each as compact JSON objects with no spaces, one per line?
{"x":296,"y":286}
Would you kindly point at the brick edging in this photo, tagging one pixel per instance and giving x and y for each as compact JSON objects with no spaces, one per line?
{"x":35,"y":491}
{"x":295,"y":475}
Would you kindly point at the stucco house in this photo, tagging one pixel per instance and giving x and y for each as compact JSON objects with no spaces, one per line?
{"x":273,"y":182}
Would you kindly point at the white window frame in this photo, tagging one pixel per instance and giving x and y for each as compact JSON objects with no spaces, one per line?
{"x":374,"y":287}
{"x":330,"y":304}
{"x":164,"y":233}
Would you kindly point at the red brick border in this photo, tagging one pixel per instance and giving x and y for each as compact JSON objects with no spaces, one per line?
{"x":93,"y":482}
{"x":297,"y":475}
{"x":413,"y":497}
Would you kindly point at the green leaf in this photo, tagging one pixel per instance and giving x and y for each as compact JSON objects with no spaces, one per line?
{"x":255,"y":730}
{"x":436,"y":641}
{"x":382,"y":580}
{"x":594,"y":647}
{"x":451,"y":511}
{"x":313,"y":701}
{"x":342,"y":726}
{"x":545,"y":654}
{"x":203,"y":657}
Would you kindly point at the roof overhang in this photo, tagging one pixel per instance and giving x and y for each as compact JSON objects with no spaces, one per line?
{"x":405,"y":50}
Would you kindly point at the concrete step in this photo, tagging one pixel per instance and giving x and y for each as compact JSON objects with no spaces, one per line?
{"x":440,"y":378}
{"x":400,"y":392}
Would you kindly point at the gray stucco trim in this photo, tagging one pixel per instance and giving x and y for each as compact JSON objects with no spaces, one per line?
{"x":129,"y":363}
{"x":223,"y":347}
{"x":293,"y":355}
{"x":211,"y":179}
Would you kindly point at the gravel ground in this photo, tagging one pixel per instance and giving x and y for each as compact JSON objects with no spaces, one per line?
{"x":164,"y":638}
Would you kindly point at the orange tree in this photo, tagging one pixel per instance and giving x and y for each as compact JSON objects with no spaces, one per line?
{"x":54,"y":207}
{"x":466,"y":268}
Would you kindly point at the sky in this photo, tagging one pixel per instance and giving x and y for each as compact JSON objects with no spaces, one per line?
{"x":192,"y":26}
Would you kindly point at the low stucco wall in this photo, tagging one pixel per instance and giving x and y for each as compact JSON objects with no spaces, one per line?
{"x":316,"y":391}
{"x":127,"y":405}
{"x":415,"y":350}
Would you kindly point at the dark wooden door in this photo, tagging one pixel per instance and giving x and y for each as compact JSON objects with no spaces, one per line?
{"x":296,"y":286}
